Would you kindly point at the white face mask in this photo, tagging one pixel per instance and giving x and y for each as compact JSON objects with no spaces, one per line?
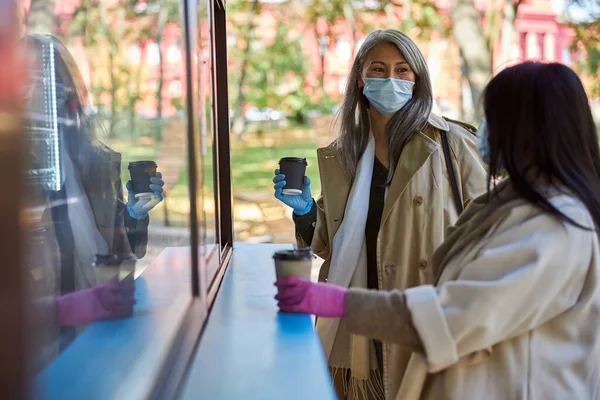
{"x":388,"y":95}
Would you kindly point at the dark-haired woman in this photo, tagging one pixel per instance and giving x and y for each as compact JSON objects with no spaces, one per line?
{"x":386,"y":199}
{"x":515,"y":310}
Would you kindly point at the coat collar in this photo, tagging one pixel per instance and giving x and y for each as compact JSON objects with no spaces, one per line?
{"x":438,"y":122}
{"x":434,"y":120}
{"x":420,"y":148}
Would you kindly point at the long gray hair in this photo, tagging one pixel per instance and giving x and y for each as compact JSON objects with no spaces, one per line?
{"x":405,"y":123}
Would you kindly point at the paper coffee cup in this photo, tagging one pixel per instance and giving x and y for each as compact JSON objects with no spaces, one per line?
{"x":294,"y":169}
{"x":293,"y":263}
{"x":114,"y":268}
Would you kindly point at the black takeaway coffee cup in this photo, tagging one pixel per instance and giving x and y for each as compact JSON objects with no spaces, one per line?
{"x":141,"y":172}
{"x":294,"y":169}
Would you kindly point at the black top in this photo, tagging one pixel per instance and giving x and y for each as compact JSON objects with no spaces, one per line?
{"x":305,"y":224}
{"x":376,"y":203}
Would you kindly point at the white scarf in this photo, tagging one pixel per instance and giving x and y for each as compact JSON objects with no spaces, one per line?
{"x":345,"y":351}
{"x":87,"y":238}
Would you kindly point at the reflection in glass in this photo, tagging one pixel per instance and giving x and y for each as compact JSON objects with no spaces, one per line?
{"x":92,"y":229}
{"x":43,"y":126}
{"x":76,"y":205}
{"x":207,"y":134}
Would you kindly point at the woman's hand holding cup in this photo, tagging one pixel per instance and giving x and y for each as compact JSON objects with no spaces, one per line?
{"x":300,"y":203}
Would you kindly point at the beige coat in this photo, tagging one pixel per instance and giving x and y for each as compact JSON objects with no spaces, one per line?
{"x":545,"y":344}
{"x":418,"y":208}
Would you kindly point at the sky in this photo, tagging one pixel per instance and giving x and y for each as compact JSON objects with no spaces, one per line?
{"x":588,"y":10}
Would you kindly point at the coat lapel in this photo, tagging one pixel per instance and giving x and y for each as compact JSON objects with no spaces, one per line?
{"x":415,"y":154}
{"x":332,"y":173}
{"x":336,"y":188}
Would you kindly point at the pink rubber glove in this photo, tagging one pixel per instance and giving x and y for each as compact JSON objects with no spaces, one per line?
{"x":298,"y":295}
{"x":108,"y":301}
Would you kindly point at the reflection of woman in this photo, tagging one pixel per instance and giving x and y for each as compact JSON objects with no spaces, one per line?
{"x":85,"y":214}
{"x":89,"y":213}
{"x":386,"y":198}
{"x":515,"y":311}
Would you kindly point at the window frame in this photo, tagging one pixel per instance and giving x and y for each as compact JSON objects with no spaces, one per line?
{"x":173,"y":371}
{"x":13,"y":346}
{"x":222,"y":156}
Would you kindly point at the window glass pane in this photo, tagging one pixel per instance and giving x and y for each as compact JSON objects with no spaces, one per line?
{"x":207,"y":132}
{"x":108,"y":174}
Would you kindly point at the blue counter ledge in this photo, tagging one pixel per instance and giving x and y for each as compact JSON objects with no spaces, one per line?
{"x":251,"y":351}
{"x":248,"y":350}
{"x":118,"y":359}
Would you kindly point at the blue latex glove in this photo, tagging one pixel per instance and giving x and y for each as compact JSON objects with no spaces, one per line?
{"x":301,"y":203}
{"x":139,"y":207}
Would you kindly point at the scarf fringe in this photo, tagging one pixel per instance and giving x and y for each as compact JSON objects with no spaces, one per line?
{"x":362,"y":389}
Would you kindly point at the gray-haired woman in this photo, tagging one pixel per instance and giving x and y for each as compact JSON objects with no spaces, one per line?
{"x":391,"y":183}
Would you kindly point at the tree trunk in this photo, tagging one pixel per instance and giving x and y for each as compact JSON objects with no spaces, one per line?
{"x":322,"y":53}
{"x":407,"y":19}
{"x":132,"y":126}
{"x":508,"y":27}
{"x":390,"y":15}
{"x":492,"y":25}
{"x":473,"y":49}
{"x":159,"y":91}
{"x":40,"y":18}
{"x":18,"y":17}
{"x":350,"y":17}
{"x":238,"y":124}
{"x":160,"y":27}
{"x":113,"y":91}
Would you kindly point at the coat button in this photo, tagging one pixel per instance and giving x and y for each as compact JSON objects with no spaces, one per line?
{"x":423,"y":265}
{"x":419,"y":200}
{"x":389,"y":268}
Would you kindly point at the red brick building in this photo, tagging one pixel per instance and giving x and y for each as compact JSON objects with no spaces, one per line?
{"x":538,"y":35}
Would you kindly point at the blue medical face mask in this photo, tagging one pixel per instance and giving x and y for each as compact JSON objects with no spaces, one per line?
{"x":483,"y":143}
{"x":387,"y":95}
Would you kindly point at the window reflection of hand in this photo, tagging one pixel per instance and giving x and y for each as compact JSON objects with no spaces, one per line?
{"x":108,"y":301}
{"x":139,"y":207}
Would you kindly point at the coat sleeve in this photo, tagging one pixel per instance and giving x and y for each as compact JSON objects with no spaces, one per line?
{"x":134,"y":231}
{"x":473,"y":174}
{"x":305,"y":226}
{"x":311,"y":229}
{"x":320,"y":242}
{"x":137,"y":234}
{"x":384,"y":317}
{"x":524,"y":276}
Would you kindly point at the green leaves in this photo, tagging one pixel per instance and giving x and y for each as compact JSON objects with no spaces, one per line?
{"x":276,"y":73}
{"x":587,"y":43}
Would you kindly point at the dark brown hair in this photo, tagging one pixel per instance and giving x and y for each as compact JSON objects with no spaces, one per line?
{"x":541,"y":129}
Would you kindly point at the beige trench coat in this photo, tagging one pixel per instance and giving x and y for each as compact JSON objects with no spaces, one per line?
{"x":418,"y":208}
{"x":544,"y":275}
